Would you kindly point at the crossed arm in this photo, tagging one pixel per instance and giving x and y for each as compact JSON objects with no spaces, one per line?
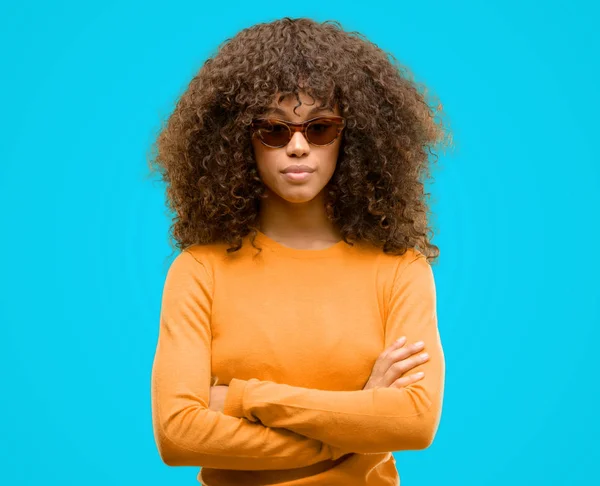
{"x":266,"y":425}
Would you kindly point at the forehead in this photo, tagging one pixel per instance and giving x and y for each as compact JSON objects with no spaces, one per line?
{"x":287,"y":105}
{"x":316,"y":110}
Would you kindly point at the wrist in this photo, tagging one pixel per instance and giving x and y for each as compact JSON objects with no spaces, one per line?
{"x":234,"y":400}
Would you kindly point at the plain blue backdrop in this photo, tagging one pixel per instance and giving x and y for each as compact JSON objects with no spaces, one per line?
{"x":84,"y":89}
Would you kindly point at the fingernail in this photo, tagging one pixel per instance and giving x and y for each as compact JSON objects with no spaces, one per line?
{"x":401,"y":339}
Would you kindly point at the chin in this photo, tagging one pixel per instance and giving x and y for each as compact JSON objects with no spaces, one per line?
{"x":295,"y":194}
{"x":299,"y":197}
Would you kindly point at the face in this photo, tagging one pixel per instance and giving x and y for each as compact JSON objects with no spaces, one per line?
{"x":271,"y":162}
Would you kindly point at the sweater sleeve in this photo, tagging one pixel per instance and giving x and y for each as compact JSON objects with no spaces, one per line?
{"x":186,"y":431}
{"x":364,"y":421}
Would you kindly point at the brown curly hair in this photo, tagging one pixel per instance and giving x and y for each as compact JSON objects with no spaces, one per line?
{"x":204,"y":151}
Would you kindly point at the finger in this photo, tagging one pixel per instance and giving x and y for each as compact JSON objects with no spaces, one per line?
{"x":408,"y":380}
{"x":395,"y":360}
{"x":392,"y":347}
{"x":399,"y":368}
{"x":409,"y":363}
{"x":396,"y":344}
{"x":396,"y":352}
{"x":405,"y":351}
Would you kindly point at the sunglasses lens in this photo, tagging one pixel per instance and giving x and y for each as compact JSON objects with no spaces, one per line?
{"x":274,"y":134}
{"x":322,"y":132}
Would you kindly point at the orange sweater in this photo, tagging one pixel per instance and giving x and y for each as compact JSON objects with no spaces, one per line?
{"x":295,"y":334}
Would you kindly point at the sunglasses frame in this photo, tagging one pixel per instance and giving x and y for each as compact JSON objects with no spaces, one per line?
{"x":299,"y":127}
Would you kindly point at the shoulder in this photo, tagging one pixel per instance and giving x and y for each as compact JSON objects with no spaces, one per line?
{"x":193,"y":260}
{"x":204,"y":254}
{"x":399,"y":263}
{"x":206,"y":258}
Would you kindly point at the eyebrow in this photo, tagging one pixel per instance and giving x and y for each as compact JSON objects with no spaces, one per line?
{"x":279,"y":111}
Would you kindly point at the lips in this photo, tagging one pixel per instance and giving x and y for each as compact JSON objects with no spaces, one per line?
{"x":297,"y":168}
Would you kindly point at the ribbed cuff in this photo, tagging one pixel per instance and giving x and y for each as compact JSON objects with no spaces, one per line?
{"x":234,"y":400}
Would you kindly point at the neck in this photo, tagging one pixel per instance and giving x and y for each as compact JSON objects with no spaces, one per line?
{"x":296,"y":222}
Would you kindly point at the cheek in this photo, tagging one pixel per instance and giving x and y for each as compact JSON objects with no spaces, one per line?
{"x":265,"y":164}
{"x":330,"y":161}
{"x":259,"y":154}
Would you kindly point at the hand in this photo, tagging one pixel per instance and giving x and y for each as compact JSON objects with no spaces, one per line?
{"x":393,"y":363}
{"x":217,"y":397}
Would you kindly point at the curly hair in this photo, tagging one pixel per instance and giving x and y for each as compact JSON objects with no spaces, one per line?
{"x":376,"y":195}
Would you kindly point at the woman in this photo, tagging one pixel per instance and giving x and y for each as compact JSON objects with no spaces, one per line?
{"x":293,"y":164}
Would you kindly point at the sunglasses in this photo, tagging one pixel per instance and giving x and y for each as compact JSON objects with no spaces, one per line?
{"x":319,"y":131}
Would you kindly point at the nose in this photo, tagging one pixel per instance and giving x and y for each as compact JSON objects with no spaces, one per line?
{"x":298,"y":145}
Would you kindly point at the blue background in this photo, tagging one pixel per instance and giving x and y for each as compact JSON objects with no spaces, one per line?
{"x":84,"y":88}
